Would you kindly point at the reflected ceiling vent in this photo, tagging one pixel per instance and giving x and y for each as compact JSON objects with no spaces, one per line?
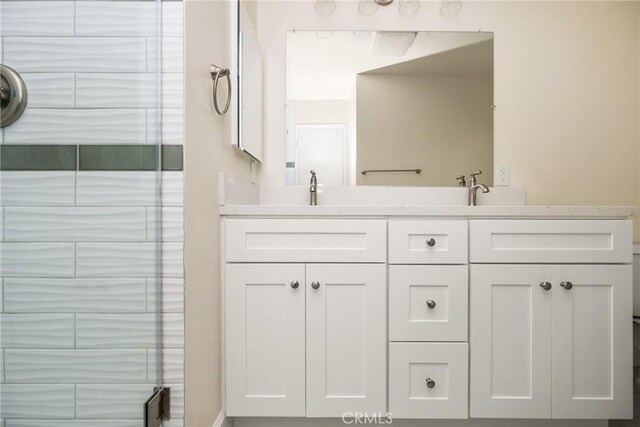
{"x":391,"y":43}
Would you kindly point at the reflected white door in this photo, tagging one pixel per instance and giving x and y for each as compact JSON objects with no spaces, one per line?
{"x":346,"y":339}
{"x":592,"y":374}
{"x":265,"y":364}
{"x":510,"y":345}
{"x":320,"y":148}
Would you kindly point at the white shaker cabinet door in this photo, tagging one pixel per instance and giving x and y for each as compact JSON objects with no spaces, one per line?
{"x":510,"y":349}
{"x":265,"y":339}
{"x":592,"y":354}
{"x":346,"y":339}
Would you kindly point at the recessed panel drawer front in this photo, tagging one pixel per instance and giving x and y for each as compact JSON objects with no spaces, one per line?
{"x":428,"y":302}
{"x":551,"y":241}
{"x":428,"y":242}
{"x":428,"y":380}
{"x":305,"y":240}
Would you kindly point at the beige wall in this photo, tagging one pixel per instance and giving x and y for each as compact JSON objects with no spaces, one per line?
{"x":321,"y":111}
{"x":566,"y":89}
{"x":440,"y":124}
{"x":207,"y":152}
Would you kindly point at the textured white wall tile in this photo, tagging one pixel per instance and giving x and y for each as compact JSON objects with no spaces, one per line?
{"x":172,"y":58}
{"x":173,"y":423}
{"x":76,"y":54}
{"x":129,"y":330}
{"x":172,"y":189}
{"x":36,"y":260}
{"x":1,"y":366}
{"x":37,"y":188}
{"x":172,"y":366}
{"x":67,"y":126}
{"x":172,"y":330}
{"x":118,"y":188}
{"x":74,"y":295}
{"x":116,"y":259}
{"x":76,"y":423}
{"x":172,"y":89}
{"x":172,"y":126}
{"x":36,"y":331}
{"x":117,"y":330}
{"x":75,"y":224}
{"x":37,"y":401}
{"x":36,"y":18}
{"x":177,"y":400}
{"x":172,"y":18}
{"x":50,"y":90}
{"x":172,"y":295}
{"x":172,"y":224}
{"x":75,"y":366}
{"x":100,"y":18}
{"x":116,"y":90}
{"x":172,"y":260}
{"x":111,"y":401}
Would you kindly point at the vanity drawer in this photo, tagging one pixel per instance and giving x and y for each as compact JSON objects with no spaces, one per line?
{"x":305,"y":240}
{"x":551,"y":241}
{"x":427,"y":242}
{"x":412,"y":365}
{"x":428,"y":302}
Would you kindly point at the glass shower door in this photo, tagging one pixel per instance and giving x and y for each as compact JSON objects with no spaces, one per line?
{"x":80,"y":209}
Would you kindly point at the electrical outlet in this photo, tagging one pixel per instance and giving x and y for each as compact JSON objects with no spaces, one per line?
{"x":501,"y":177}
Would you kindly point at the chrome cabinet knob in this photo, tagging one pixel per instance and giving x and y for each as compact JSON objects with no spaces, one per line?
{"x":566,"y":285}
{"x":315,"y":285}
{"x":431,"y":303}
{"x":295,"y":284}
{"x":431,"y":242}
{"x":545,"y":285}
{"x":430,"y":383}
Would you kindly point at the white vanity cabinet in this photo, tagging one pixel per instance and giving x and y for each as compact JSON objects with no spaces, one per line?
{"x":550,"y":340}
{"x":487,"y":318}
{"x":265,"y":339}
{"x":306,"y":338}
{"x":428,"y":307}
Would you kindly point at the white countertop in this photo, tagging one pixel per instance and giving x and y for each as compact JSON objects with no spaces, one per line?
{"x":599,"y":212}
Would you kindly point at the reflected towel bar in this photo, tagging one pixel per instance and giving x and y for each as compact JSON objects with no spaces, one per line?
{"x":366,"y":171}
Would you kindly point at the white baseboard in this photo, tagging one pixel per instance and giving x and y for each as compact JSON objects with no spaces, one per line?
{"x":337,"y":422}
{"x":223,"y":421}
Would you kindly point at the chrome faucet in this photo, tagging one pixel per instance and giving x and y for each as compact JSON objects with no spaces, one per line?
{"x":313,"y":189}
{"x":474,"y":186}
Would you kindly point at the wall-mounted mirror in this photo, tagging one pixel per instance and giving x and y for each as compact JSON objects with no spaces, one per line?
{"x":247,"y":105}
{"x":379,"y":102}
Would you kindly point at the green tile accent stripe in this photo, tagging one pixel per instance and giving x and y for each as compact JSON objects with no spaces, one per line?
{"x":172,"y":158}
{"x":138,"y":157}
{"x":117,"y":157}
{"x":38,"y":157}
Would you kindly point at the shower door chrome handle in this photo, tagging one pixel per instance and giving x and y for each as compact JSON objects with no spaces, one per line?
{"x":13,"y":95}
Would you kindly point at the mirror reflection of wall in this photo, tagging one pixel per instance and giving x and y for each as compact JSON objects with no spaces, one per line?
{"x":404,"y":100}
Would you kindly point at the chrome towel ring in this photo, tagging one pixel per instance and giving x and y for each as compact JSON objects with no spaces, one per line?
{"x":216,"y":73}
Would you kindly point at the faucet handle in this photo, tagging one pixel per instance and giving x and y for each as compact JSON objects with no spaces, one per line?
{"x":461,"y":181}
{"x":472,"y":177}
